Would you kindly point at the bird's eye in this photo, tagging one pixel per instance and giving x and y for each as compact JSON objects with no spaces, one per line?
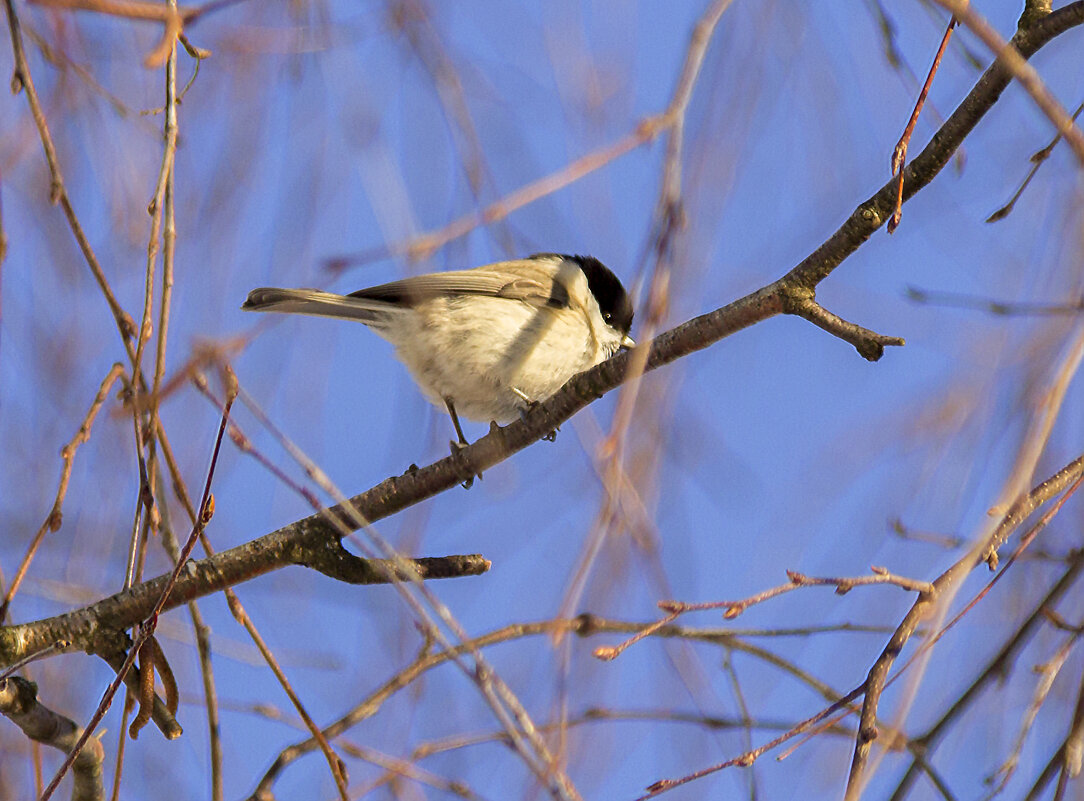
{"x":606,"y":316}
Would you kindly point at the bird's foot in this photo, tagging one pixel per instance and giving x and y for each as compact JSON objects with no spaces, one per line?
{"x":457,"y":448}
{"x":530,"y":407}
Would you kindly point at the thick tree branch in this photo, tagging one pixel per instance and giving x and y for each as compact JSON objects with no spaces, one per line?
{"x":94,"y":628}
{"x":19,"y":703}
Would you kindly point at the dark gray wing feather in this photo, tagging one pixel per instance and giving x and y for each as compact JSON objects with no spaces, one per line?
{"x":512,"y":282}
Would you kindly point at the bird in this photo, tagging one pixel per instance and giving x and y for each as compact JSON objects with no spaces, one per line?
{"x":491,"y":342}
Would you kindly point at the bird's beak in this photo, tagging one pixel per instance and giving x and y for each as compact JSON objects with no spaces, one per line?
{"x":628,"y":342}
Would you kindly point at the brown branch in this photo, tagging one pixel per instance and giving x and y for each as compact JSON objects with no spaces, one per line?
{"x":20,"y":704}
{"x":993,"y":671}
{"x":734,"y":608}
{"x":1013,"y":61}
{"x":338,"y":768}
{"x":1027,"y":504}
{"x":869,"y":344}
{"x":585,"y":625}
{"x":926,"y":606}
{"x":206,"y":576}
{"x":21,"y":80}
{"x":55,"y":517}
{"x":899,"y":153}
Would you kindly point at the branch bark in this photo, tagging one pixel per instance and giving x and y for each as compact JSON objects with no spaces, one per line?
{"x":19,"y":703}
{"x":94,"y":628}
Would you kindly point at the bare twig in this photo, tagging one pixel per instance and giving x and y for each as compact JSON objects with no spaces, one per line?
{"x":992,"y":671}
{"x":338,"y":768}
{"x":1047,"y":673}
{"x":899,"y":153}
{"x":749,"y":757}
{"x":869,"y":344}
{"x":146,"y":628}
{"x":55,"y":517}
{"x":923,"y":608}
{"x":429,"y":610}
{"x":1010,"y":59}
{"x":1000,"y":308}
{"x":1037,"y":159}
{"x":583,"y":626}
{"x":735,"y":608}
{"x":57,"y":191}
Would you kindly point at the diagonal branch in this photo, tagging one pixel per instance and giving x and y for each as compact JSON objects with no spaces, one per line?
{"x":19,"y":703}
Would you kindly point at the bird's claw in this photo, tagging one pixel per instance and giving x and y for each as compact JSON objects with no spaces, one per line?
{"x":457,"y":448}
{"x":531,"y":406}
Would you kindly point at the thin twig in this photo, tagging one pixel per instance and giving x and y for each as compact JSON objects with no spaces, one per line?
{"x":502,"y":701}
{"x":1000,"y":308}
{"x":58,"y":193}
{"x":899,"y":153}
{"x":1010,"y":59}
{"x":55,"y":517}
{"x":146,"y":629}
{"x":338,"y":768}
{"x":1038,"y":158}
{"x":1048,"y":672}
{"x":994,"y":670}
{"x":735,"y":608}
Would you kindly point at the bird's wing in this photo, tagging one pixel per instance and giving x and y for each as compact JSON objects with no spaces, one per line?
{"x":518,"y":280}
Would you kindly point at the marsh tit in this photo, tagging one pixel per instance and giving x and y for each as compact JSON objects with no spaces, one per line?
{"x":489,"y":342}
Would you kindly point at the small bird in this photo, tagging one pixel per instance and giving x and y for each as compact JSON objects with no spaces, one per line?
{"x":490,"y":342}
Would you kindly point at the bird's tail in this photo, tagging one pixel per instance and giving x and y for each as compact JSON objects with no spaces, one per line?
{"x":317,"y":303}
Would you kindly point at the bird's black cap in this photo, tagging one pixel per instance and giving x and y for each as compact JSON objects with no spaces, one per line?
{"x":613,"y":300}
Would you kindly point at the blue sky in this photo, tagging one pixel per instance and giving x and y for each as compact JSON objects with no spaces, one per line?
{"x":319,"y":132}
